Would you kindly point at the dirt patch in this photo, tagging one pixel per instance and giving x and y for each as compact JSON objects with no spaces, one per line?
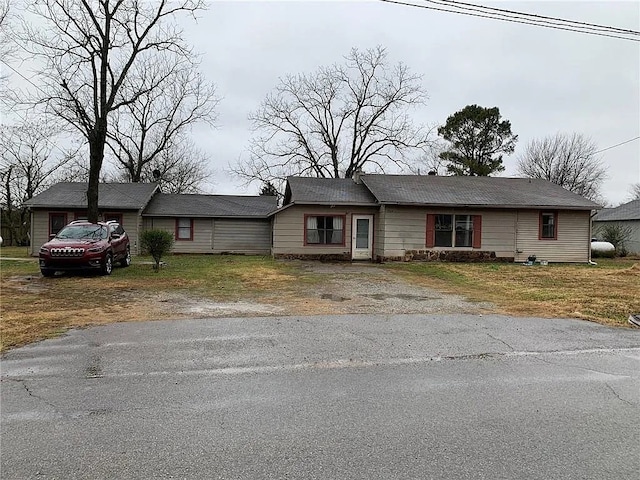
{"x":364,"y":288}
{"x":337,"y":289}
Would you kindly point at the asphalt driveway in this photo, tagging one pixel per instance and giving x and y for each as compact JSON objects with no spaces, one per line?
{"x":353,"y":396}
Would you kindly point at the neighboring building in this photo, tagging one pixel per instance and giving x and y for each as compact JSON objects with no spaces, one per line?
{"x":405,"y":217}
{"x":65,"y":202}
{"x":627,"y":216}
{"x":213,"y":223}
{"x":200,"y":223}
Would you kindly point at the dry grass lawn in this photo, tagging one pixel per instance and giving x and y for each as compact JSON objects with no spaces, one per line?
{"x":606,"y":293}
{"x":33,"y":308}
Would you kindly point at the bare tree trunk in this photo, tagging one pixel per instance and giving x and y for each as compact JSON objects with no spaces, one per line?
{"x":96,"y":155}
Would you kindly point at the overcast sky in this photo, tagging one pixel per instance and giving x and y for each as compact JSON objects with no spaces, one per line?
{"x":544,"y":81}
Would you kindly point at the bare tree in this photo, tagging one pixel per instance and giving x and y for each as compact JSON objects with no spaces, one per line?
{"x":31,"y":159}
{"x":89,"y":51}
{"x":567,"y":160}
{"x":179,"y":168}
{"x":336,"y":121}
{"x":6,"y":46}
{"x":634,"y":192}
{"x":431,"y":161}
{"x":146,"y":129}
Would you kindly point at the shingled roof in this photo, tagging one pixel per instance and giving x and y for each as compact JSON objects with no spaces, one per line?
{"x":122,"y":196}
{"x":494,"y":192}
{"x":173,"y":205}
{"x":333,"y":191}
{"x":625,"y":212}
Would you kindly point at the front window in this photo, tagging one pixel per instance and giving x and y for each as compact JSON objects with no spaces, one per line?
{"x":324,"y":230}
{"x":83,"y":232}
{"x":447,"y":236}
{"x":184,"y":229}
{"x":444,"y":230}
{"x":464,"y":231}
{"x":57,"y":221}
{"x":548,"y":225}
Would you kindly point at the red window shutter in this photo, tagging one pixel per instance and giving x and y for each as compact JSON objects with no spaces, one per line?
{"x":477,"y":231}
{"x":431,"y":231}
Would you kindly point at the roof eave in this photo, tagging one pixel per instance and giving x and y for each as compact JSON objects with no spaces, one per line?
{"x":491,"y":206}
{"x":340,"y":204}
{"x":191,"y":215}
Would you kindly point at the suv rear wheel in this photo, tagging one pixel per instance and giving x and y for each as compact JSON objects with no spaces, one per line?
{"x":107,"y":265}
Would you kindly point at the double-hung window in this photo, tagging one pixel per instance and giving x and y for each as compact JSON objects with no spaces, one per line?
{"x":57,"y":221}
{"x":184,"y":229}
{"x":548,"y":229}
{"x":449,"y":230}
{"x":324,"y":229}
{"x":444,"y":231}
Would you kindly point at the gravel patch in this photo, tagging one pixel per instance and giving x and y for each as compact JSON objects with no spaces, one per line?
{"x":365,"y":288}
{"x":342,"y":288}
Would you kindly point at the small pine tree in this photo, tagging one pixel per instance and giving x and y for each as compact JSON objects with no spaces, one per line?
{"x":269,"y":189}
{"x":156,"y":243}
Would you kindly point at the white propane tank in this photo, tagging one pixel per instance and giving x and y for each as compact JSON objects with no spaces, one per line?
{"x":602,"y":247}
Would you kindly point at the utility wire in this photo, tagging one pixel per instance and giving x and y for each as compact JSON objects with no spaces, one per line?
{"x":523,"y":21}
{"x":616,"y":145}
{"x":543,"y":17}
{"x":23,"y":77}
{"x":536,"y":19}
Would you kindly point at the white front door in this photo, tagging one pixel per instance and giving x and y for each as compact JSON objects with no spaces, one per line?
{"x":362,"y":237}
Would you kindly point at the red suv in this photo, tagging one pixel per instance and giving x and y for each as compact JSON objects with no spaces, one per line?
{"x":86,"y":246}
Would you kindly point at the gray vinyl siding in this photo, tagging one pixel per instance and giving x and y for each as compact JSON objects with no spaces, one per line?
{"x":379,"y":233}
{"x":39,"y":230}
{"x":218,"y":235}
{"x":633,"y":243}
{"x":40,"y":227}
{"x":202,"y":232}
{"x":251,"y":237}
{"x":405,"y":228}
{"x":288,"y":229}
{"x":131,"y":224}
{"x":572,"y":245}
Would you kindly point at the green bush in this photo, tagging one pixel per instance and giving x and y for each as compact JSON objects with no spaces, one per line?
{"x":617,"y":235}
{"x":156,"y":243}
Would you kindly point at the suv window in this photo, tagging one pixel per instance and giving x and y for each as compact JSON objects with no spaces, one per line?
{"x":116,"y":229}
{"x":77,"y":232}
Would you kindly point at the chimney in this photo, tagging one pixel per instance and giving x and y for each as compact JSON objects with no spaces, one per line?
{"x":356,"y":175}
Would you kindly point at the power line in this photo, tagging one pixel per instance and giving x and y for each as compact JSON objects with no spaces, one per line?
{"x":524,"y":21}
{"x":616,"y":145}
{"x":544,"y":17}
{"x":23,"y":77}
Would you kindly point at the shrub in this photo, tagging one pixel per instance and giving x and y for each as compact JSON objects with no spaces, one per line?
{"x":156,"y":243}
{"x":617,"y":235}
